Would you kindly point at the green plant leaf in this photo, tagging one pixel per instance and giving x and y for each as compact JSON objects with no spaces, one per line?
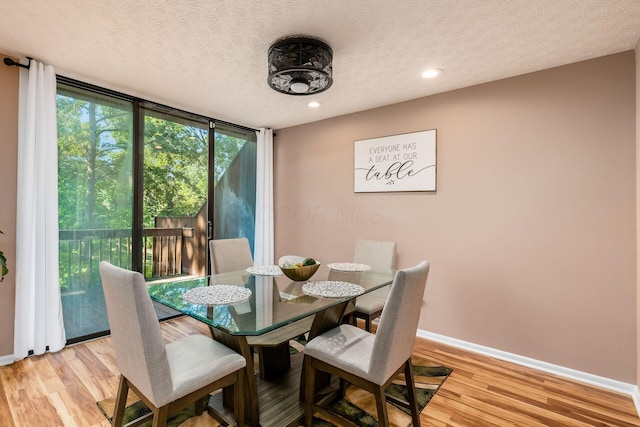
{"x":3,"y":263}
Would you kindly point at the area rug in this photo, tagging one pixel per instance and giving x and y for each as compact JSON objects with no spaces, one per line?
{"x":358,"y":406}
{"x":136,"y":409}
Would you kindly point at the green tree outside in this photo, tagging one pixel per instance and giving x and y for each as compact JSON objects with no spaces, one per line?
{"x":95,"y":170}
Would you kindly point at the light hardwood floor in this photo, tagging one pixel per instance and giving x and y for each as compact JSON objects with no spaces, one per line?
{"x":61,"y":389}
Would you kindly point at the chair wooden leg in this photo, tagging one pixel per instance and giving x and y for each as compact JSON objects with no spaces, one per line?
{"x":309,"y":386}
{"x":411,"y":388}
{"x":238,"y":397}
{"x":342,"y":391}
{"x":121,"y":401}
{"x":240,"y":345}
{"x":160,"y":416}
{"x":367,"y":323}
{"x":381,"y":404}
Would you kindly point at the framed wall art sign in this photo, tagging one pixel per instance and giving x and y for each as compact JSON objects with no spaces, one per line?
{"x":404,"y":162}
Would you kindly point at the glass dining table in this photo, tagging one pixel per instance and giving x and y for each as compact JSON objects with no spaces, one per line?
{"x":265,"y":312}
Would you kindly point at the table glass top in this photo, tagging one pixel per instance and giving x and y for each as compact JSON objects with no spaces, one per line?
{"x":275,"y":301}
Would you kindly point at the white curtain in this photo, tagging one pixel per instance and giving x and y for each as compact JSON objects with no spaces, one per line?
{"x":263,"y":245}
{"x":38,"y":321}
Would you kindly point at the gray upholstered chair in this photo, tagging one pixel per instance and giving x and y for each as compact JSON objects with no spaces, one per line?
{"x":166,"y":377}
{"x":230,"y":255}
{"x":380,"y":255}
{"x":371,"y":361}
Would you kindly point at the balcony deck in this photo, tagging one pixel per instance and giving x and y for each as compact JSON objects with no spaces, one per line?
{"x":168,"y":254}
{"x":85,"y":314}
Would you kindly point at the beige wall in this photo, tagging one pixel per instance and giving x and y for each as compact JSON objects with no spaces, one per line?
{"x":8,"y":170}
{"x":531,"y":234}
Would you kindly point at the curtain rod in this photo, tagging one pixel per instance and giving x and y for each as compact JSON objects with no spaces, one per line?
{"x":123,"y":96}
{"x":120,"y":95}
{"x":10,"y":62}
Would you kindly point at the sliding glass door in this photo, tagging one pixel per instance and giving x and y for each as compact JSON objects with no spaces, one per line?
{"x":144,"y":187}
{"x":175,"y":195}
{"x":234,"y":183}
{"x":95,"y":203}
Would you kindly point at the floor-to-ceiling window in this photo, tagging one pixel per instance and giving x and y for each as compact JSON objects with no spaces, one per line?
{"x":95,"y":167}
{"x":174,"y":194}
{"x":144,"y":187}
{"x":235,"y":183}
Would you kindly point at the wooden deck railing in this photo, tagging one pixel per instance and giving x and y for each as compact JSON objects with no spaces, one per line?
{"x":82,"y":250}
{"x":165,"y":252}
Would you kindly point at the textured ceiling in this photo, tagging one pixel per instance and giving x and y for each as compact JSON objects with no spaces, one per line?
{"x":209,"y":56}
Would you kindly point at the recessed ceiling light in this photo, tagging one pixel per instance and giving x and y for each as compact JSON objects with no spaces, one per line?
{"x":431,"y":73}
{"x":314,"y":104}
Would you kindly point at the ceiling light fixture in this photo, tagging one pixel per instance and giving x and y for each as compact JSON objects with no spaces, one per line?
{"x":300,"y":66}
{"x":431,"y":73}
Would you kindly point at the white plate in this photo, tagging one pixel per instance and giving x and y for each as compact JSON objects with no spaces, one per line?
{"x":332,"y":289}
{"x":217,"y":295}
{"x":348,"y":266}
{"x":265,"y":270}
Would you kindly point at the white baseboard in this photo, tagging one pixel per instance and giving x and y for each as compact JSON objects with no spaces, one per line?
{"x":595,"y":380}
{"x":636,"y":398}
{"x":6,"y":360}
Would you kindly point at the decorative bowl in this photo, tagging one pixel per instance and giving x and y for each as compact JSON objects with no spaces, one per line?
{"x":298,"y":274}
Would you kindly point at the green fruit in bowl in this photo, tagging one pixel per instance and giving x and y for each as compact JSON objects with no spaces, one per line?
{"x":294,"y":262}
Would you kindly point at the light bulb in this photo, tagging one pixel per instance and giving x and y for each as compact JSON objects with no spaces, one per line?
{"x":431,"y":72}
{"x":299,"y":87}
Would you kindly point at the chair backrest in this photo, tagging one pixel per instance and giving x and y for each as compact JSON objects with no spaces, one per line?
{"x":135,"y":332}
{"x":379,"y":254}
{"x":398,"y":325}
{"x":230,"y":255}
